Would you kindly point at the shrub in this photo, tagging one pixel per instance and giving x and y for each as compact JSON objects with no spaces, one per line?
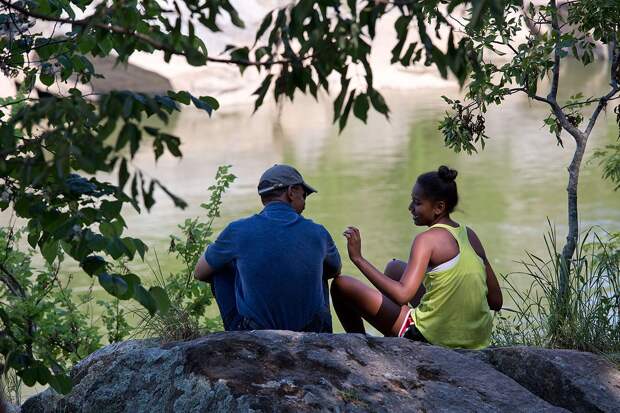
{"x":45,"y":327}
{"x":44,"y":330}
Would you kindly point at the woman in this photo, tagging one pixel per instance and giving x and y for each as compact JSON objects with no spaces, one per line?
{"x":460,"y":288}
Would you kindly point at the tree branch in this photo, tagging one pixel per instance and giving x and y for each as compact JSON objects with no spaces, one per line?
{"x":555,"y":78}
{"x":89,"y":22}
{"x":11,"y":282}
{"x":587,"y":102}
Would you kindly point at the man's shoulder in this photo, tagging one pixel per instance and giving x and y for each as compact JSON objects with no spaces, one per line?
{"x":241,"y":223}
{"x":314,"y":225}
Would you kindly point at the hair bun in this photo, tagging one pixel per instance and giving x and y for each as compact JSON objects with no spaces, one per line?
{"x":446,"y":174}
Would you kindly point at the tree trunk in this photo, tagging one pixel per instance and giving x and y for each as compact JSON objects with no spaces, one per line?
{"x":573,"y":218}
{"x":573,"y":181}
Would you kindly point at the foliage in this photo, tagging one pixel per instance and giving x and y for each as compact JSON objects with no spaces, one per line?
{"x":589,"y":319}
{"x":114,"y":319}
{"x":187,"y":316}
{"x":534,"y":41}
{"x":42,"y":325}
{"x":50,"y":325}
{"x":302,"y":44}
{"x":609,"y":159}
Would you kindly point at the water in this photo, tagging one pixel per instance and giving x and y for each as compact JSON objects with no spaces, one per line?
{"x":364,"y":175}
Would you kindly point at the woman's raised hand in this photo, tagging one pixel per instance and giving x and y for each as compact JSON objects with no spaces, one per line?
{"x":354,"y":243}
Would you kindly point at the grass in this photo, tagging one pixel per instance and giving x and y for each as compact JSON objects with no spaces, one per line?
{"x":584,"y":317}
{"x":187,"y":318}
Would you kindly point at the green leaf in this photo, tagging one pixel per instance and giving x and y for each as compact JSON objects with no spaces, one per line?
{"x":28,"y":376}
{"x":47,"y":78}
{"x":262,"y":91}
{"x":344,"y":85}
{"x":50,"y":251}
{"x":378,"y":102}
{"x":133,"y":281}
{"x":129,"y":133}
{"x":114,"y":285}
{"x":86,"y":43}
{"x":93,"y":264}
{"x":161,"y":298}
{"x":61,"y":383}
{"x":33,"y":236}
{"x":264,"y":25}
{"x":111,"y":209}
{"x":181,"y":97}
{"x":111,"y":229}
{"x":360,"y":108}
{"x":35,"y":373}
{"x":203,"y":104}
{"x":123,"y":174}
{"x":116,"y":248}
{"x":345,"y":113}
{"x":146,"y":299}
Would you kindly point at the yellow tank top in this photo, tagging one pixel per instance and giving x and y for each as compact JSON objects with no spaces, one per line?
{"x":454,"y":311}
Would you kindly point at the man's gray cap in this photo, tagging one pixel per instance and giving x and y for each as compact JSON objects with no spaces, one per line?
{"x":281,"y":176}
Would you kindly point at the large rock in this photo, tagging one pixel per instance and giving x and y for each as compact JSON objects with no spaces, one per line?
{"x":578,"y":381}
{"x":285,"y":371}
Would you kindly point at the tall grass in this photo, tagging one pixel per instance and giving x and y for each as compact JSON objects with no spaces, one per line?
{"x":585,"y":316}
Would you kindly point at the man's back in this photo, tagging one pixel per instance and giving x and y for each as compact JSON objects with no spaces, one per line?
{"x":279,"y":258}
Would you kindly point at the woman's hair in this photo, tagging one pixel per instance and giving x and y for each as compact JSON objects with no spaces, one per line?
{"x":440,"y":186}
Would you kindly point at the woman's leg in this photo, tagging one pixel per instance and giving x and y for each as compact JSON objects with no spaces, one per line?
{"x":354,"y":300}
{"x":395,"y":269}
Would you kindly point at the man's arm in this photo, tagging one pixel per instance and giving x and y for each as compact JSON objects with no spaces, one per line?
{"x":332,"y":265}
{"x":203,"y":271}
{"x":330,"y":271}
{"x":217,"y":255}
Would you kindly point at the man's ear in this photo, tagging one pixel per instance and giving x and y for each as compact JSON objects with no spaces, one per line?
{"x":290,"y":193}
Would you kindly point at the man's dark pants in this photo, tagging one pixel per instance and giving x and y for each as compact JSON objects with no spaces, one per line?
{"x":223,"y":288}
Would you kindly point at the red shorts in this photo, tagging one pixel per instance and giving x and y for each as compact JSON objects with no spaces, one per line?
{"x":406,"y":324}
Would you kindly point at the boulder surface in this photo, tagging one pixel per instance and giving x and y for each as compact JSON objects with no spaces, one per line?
{"x":275,"y":371}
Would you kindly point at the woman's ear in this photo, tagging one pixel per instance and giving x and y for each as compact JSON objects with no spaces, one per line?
{"x":439,"y":208}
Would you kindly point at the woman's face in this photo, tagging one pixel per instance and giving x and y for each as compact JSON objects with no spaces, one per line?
{"x":424,"y":210}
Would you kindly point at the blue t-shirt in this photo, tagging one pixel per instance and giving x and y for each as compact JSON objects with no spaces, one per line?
{"x":279,"y":258}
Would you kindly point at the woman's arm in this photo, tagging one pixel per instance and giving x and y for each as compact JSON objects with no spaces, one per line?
{"x":402,"y":291}
{"x":494,"y":292}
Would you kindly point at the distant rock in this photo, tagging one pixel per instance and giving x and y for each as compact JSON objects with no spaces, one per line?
{"x":275,"y":371}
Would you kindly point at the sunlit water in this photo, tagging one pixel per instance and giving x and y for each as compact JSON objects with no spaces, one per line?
{"x":364,"y":175}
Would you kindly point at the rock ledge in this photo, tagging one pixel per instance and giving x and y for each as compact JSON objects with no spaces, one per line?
{"x":286,"y":371}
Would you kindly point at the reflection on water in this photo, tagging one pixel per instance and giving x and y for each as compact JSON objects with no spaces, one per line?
{"x":364,"y":176}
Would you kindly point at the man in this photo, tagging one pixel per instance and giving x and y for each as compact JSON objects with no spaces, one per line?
{"x":269,"y":271}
